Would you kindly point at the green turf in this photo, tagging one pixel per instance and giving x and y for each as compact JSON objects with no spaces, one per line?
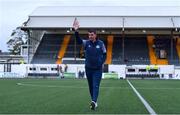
{"x":58,"y":96}
{"x":162,"y":95}
{"x":54,"y":96}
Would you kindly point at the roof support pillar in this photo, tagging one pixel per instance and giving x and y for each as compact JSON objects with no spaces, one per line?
{"x":123,"y":36}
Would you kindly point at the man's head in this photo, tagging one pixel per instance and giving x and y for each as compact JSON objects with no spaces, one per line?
{"x":92,"y":34}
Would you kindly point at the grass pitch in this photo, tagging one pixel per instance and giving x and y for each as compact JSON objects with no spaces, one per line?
{"x":71,"y":96}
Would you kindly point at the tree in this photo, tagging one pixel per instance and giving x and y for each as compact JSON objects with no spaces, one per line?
{"x":18,"y":38}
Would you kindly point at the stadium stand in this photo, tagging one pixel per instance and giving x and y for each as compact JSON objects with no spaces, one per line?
{"x":70,"y":53}
{"x":154,"y":58}
{"x":163,"y":49}
{"x":134,"y":35}
{"x":136,"y":50}
{"x":74,"y":54}
{"x":48,"y":49}
{"x":117,"y":50}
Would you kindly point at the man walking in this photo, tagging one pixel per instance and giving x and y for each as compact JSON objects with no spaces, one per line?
{"x":95,"y":56}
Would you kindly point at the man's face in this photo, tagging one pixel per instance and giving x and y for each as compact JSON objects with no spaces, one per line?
{"x":92,"y":36}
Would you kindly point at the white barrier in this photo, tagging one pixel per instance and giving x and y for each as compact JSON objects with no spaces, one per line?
{"x":52,"y":68}
{"x":177,"y":73}
{"x":165,"y":71}
{"x":17,"y":71}
{"x":141,"y":69}
{"x":11,"y":75}
{"x":73,"y":68}
{"x":1,"y":68}
{"x":119,"y":69}
{"x":41,"y":68}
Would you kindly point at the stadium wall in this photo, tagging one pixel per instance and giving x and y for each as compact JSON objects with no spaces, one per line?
{"x":1,"y":68}
{"x":23,"y":70}
{"x":177,"y":73}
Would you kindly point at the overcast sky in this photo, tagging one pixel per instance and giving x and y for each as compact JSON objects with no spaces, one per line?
{"x":14,"y":12}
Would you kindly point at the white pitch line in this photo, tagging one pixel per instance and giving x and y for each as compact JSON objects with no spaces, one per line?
{"x":51,"y":86}
{"x":146,"y":104}
{"x":54,"y":86}
{"x":69,"y":86}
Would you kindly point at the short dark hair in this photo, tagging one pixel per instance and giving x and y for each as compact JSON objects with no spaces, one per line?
{"x":92,"y":31}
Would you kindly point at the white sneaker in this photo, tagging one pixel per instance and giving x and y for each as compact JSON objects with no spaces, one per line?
{"x":96,"y":105}
{"x":93,"y":105}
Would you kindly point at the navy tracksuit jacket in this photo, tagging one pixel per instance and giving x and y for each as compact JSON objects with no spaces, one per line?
{"x":95,"y":56}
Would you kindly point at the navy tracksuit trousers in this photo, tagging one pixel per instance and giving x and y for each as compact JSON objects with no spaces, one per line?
{"x":94,"y":78}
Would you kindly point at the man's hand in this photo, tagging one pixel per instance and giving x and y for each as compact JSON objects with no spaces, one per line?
{"x":75,"y":24}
